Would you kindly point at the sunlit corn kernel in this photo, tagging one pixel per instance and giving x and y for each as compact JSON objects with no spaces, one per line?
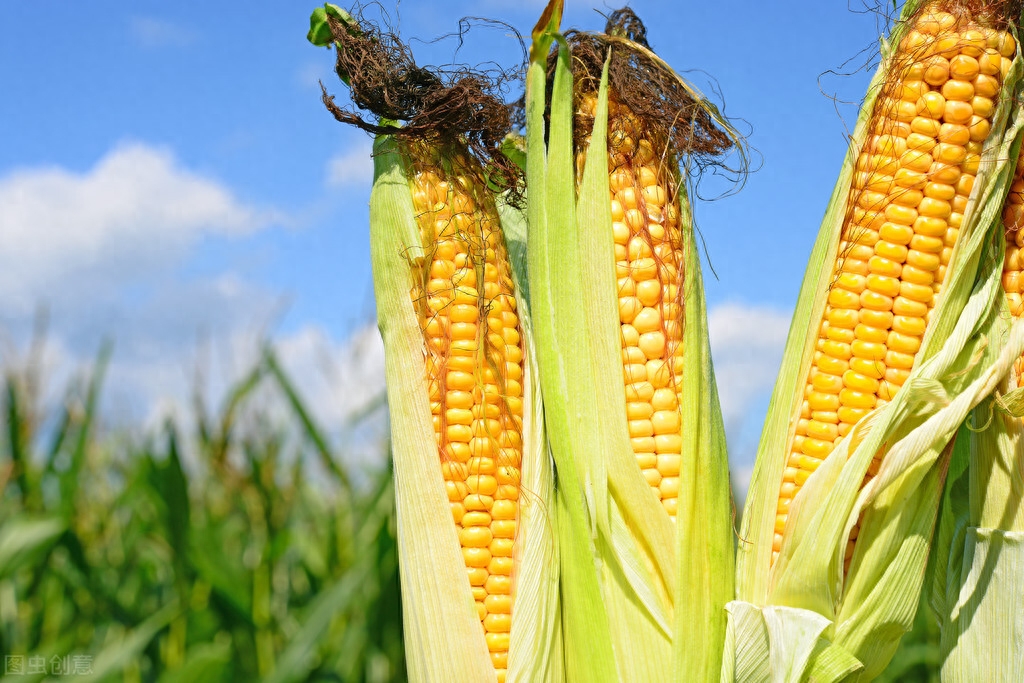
{"x":958,"y":91}
{"x":497,"y":642}
{"x":936,"y":70}
{"x":956,"y":111}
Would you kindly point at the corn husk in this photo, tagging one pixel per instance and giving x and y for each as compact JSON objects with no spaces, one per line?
{"x":962,"y":360}
{"x":979,"y":563}
{"x":444,"y":639}
{"x":642,"y":597}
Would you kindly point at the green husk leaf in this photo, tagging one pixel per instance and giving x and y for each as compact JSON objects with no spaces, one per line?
{"x":551,"y":213}
{"x":984,"y":639}
{"x":792,"y":636}
{"x":977,"y":596}
{"x":831,"y":662}
{"x":996,"y":476}
{"x":900,"y":523}
{"x":1012,"y":403}
{"x":747,"y":645}
{"x":704,"y":517}
{"x":780,"y":644}
{"x":535,"y":649}
{"x":947,"y":548}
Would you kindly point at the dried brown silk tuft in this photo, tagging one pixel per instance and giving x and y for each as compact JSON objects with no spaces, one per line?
{"x":458,"y":106}
{"x":640,"y":81}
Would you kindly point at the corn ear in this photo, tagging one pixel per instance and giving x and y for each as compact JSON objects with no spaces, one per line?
{"x":443,"y":633}
{"x":867,"y":606}
{"x":643,"y":597}
{"x":980,"y":550}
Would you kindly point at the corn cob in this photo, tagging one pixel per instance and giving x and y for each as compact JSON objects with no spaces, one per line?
{"x":914,"y":175}
{"x":466,"y":306}
{"x":649,"y":267}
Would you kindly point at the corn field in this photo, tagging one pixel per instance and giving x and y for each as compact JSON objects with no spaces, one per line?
{"x":207,"y":555}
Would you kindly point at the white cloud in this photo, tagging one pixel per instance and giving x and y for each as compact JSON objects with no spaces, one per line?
{"x":155,"y":33}
{"x":340,"y":384}
{"x":83,"y":235}
{"x":105,"y":252}
{"x":352,"y":167}
{"x":746,"y":343}
{"x":746,"y":346}
{"x":338,"y":380}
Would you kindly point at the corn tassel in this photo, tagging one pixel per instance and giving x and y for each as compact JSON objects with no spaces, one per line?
{"x":900,"y":289}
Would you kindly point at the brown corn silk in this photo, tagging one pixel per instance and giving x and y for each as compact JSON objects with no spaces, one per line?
{"x":913,"y":177}
{"x":464,"y":298}
{"x":1013,"y":265}
{"x":649,"y":260}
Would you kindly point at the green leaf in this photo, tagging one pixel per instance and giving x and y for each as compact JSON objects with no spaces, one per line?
{"x":25,"y":541}
{"x":85,"y":425}
{"x":312,"y":431}
{"x":225,"y":573}
{"x":113,"y":658}
{"x":982,"y":641}
{"x":205,"y":663}
{"x":300,"y":655}
{"x":319,"y":30}
{"x":173,"y":488}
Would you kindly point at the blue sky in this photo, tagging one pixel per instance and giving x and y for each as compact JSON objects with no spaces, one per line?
{"x":170,"y":179}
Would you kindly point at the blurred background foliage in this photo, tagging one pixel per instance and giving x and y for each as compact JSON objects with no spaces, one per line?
{"x":234,"y":545}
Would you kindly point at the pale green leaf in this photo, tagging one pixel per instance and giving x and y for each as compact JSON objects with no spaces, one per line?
{"x":984,"y":640}
{"x":24,"y":541}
